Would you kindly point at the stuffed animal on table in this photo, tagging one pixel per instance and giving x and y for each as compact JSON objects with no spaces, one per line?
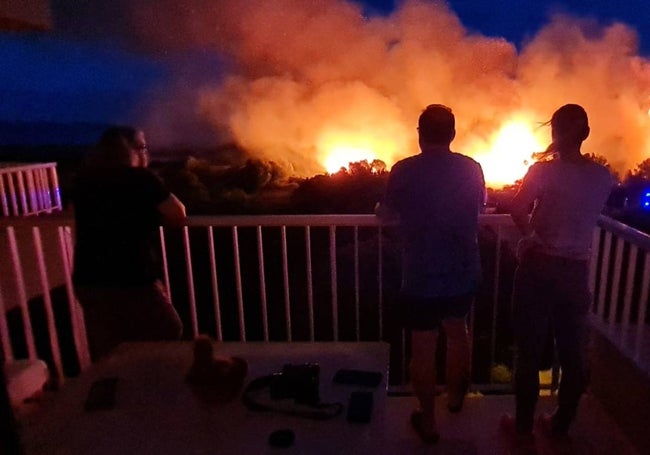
{"x":215,"y":379}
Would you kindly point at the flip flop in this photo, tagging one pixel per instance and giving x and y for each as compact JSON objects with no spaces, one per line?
{"x":425,"y":435}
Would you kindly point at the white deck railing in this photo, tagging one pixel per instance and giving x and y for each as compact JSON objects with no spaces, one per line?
{"x":620,"y":280}
{"x":28,"y":189}
{"x":298,"y":277}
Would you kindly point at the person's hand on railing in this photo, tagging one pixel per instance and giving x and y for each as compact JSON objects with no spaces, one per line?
{"x":386,"y":214}
{"x":525,"y":244}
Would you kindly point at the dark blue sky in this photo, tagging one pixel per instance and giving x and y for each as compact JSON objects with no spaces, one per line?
{"x":85,"y":74}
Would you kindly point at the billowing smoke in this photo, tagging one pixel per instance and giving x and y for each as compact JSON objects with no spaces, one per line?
{"x":301,"y":78}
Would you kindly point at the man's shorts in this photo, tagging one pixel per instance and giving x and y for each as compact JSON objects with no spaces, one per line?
{"x":427,"y":313}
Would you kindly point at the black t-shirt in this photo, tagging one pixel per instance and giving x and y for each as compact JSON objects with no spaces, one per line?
{"x":116,"y":227}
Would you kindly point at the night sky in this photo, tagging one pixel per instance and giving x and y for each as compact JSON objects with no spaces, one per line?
{"x":90,"y":69}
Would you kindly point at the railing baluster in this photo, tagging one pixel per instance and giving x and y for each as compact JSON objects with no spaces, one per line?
{"x":215,"y":284}
{"x":165,"y":264}
{"x":380,"y":279}
{"x":4,"y":330}
{"x":76,"y":313}
{"x":310,"y":283}
{"x":54,"y":182}
{"x":495,"y":299}
{"x":629,"y":287}
{"x":22,"y":292}
{"x":47,"y":304}
{"x":333,"y":284}
{"x":191,"y":294}
{"x":12,"y":195}
{"x":260,"y":261}
{"x":285,"y":280}
{"x":31,"y":191}
{"x":38,"y":190}
{"x":604,"y":271}
{"x":21,"y":192}
{"x":238,"y":282}
{"x":42,"y":190}
{"x":616,"y":281}
{"x":593,"y":265}
{"x":643,"y":308}
{"x":356,"y":284}
{"x":3,"y":195}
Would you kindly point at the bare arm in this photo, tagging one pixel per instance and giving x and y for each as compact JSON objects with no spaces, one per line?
{"x":521,"y":203}
{"x":172,"y":211}
{"x":519,"y":213}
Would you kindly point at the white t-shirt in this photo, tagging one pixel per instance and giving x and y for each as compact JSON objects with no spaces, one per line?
{"x":568,"y":196}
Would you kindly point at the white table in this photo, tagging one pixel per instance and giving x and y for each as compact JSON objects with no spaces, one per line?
{"x":156,"y":412}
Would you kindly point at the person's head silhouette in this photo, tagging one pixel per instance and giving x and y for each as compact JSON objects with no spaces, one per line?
{"x":569,"y":127}
{"x":436,"y":126}
{"x":121,"y":146}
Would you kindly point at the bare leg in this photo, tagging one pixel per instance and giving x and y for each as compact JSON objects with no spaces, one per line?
{"x":423,"y":374}
{"x":458,"y":361}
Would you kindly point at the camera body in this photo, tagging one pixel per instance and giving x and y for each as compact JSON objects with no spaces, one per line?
{"x":300,"y":382}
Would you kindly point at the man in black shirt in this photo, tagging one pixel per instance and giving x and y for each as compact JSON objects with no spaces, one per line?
{"x":119,"y":205}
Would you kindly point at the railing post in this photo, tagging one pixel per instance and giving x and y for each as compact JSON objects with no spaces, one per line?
{"x":333,"y":284}
{"x":260,"y":261}
{"x":604,"y":272}
{"x":238,"y":281}
{"x":285,"y":281}
{"x":215,"y":284}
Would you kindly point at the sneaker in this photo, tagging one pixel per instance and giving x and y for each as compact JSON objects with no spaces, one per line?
{"x":515,"y":441}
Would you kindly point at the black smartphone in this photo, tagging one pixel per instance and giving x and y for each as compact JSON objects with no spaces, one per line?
{"x":360,"y":407}
{"x":101,"y":394}
{"x":358,"y":377}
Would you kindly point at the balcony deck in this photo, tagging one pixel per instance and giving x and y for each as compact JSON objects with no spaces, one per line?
{"x":258,"y":286}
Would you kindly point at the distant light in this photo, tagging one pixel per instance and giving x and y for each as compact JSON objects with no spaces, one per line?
{"x":644,"y":201}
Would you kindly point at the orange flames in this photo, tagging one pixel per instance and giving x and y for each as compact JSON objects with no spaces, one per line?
{"x":505,"y":156}
{"x":315,"y":85}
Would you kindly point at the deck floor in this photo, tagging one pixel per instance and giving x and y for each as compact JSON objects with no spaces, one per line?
{"x":474,"y":431}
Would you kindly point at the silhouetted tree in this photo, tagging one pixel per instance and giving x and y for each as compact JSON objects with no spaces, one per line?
{"x":642,"y":170}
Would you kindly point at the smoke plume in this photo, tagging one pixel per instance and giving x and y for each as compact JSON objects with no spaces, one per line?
{"x":299,"y":75}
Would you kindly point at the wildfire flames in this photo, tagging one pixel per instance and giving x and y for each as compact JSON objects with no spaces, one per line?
{"x":505,"y":158}
{"x":314,"y":85}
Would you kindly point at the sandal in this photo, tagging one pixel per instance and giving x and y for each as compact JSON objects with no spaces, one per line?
{"x":426,"y":435}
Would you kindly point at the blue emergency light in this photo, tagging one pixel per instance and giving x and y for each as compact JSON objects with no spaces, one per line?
{"x":645,"y":200}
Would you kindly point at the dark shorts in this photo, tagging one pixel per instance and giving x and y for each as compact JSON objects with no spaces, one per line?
{"x":421,"y":313}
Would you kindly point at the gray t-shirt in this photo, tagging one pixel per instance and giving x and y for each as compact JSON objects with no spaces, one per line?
{"x":438,"y":197}
{"x":568,"y":197}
